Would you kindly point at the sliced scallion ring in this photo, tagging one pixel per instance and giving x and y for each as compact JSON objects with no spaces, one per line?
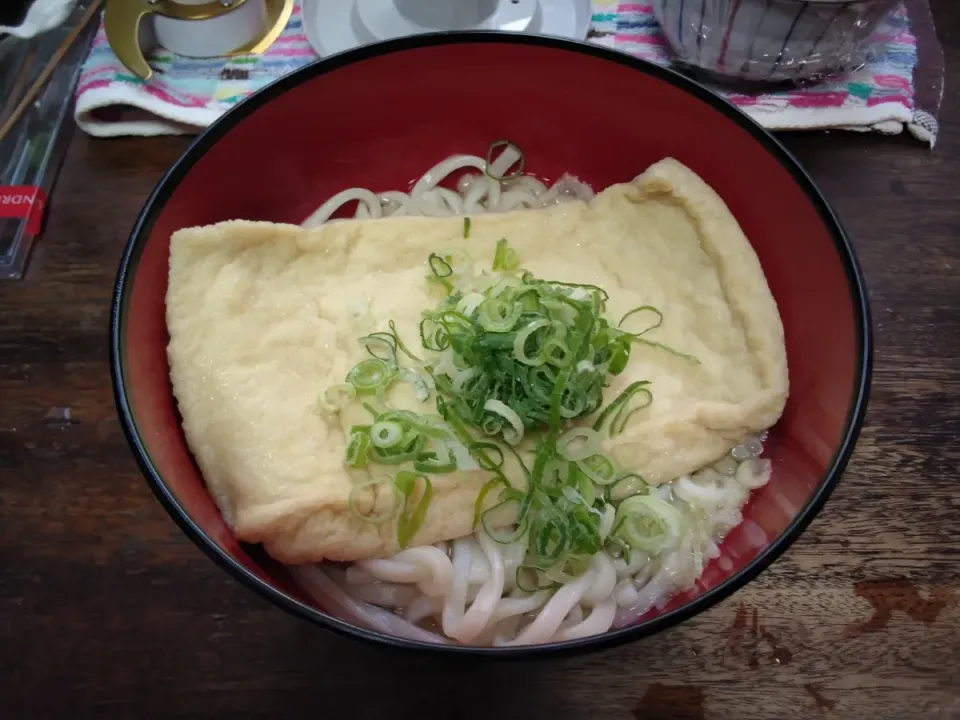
{"x":382,"y":346}
{"x":599,"y":468}
{"x":514,"y":434}
{"x":495,"y":315}
{"x":578,"y":443}
{"x":625,"y":486}
{"x":648,"y":524}
{"x":386,"y":434}
{"x":370,"y":376}
{"x":515,"y":157}
{"x":520,"y":343}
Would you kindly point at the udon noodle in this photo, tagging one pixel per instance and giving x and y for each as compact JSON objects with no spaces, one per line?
{"x":478,"y":191}
{"x":466,"y":590}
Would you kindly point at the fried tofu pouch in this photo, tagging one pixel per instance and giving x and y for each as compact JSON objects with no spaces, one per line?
{"x":263,"y":318}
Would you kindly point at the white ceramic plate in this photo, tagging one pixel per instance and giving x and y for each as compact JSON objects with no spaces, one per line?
{"x":332,"y":26}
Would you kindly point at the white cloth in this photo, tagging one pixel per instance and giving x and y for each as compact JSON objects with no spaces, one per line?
{"x":42,"y":15}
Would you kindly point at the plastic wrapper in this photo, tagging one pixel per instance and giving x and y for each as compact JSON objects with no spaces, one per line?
{"x":31,"y":152}
{"x":772,"y":40}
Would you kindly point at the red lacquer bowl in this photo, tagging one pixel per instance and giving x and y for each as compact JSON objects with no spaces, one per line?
{"x":380,"y":116}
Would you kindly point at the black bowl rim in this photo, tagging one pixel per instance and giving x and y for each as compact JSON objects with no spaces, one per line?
{"x":613,"y":638}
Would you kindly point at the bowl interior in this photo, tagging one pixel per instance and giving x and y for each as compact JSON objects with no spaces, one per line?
{"x":380,"y":117}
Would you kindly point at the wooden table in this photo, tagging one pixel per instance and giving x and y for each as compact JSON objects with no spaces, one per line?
{"x":107,"y":610}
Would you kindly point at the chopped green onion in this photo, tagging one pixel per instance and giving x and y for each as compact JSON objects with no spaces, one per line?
{"x":599,"y":468}
{"x":531,"y":579}
{"x":400,"y":345}
{"x":637,"y":310}
{"x":619,"y":355}
{"x":410,"y":520}
{"x":606,"y":522}
{"x":505,"y":175}
{"x":477,"y":450}
{"x":556,"y":474}
{"x":371,"y":375}
{"x":429,"y":462}
{"x":466,"y":228}
{"x":507,"y":284}
{"x":583,"y":287}
{"x":495,"y":315}
{"x":515,"y":434}
{"x":588,"y":489}
{"x":400,"y":456}
{"x":469,"y":303}
{"x":382,"y":346}
{"x":386,"y":434}
{"x":441,"y":271}
{"x":618,"y":411}
{"x":625,"y":486}
{"x":505,"y":257}
{"x":433,"y":336}
{"x":661,"y":346}
{"x":506,"y":507}
{"x":578,"y":444}
{"x":358,"y":446}
{"x":649,"y":524}
{"x":481,"y":496}
{"x":439,"y":266}
{"x":520,"y":343}
{"x":421,"y":385}
{"x":557,"y":353}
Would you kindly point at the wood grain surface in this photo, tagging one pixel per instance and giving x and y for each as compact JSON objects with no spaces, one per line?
{"x":107,"y":610}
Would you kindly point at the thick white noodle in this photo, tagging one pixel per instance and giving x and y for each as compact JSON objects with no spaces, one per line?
{"x":548,"y":621}
{"x":330,"y":595}
{"x":427,"y":566}
{"x":574,"y":617}
{"x":603,"y":583}
{"x":476,"y":192}
{"x":466,"y":625}
{"x":423,"y":607}
{"x":625,"y":593}
{"x":597,"y":622}
{"x":385,"y":594}
{"x":637,"y":561}
{"x":366,"y":199}
{"x":659,"y":588}
{"x":510,"y":607}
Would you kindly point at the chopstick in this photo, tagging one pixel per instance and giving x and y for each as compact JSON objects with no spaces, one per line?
{"x":48,"y":70}
{"x":19,"y":81}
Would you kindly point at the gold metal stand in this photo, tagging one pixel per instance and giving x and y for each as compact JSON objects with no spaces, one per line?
{"x":122,"y":18}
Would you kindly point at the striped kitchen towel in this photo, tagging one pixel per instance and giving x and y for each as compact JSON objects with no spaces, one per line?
{"x":900,"y":87}
{"x":184,"y":95}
